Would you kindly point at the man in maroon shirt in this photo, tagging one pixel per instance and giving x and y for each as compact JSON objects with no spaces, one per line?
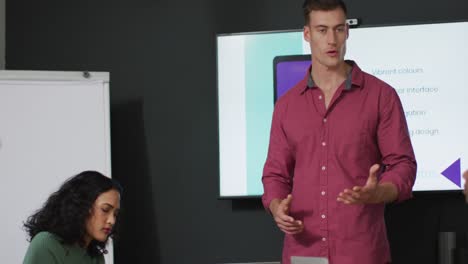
{"x":339,"y":151}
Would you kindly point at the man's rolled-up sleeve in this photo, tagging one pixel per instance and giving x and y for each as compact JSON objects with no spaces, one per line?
{"x":279,"y":166}
{"x":395,"y":145}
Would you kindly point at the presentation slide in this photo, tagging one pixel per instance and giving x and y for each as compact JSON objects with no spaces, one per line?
{"x":426,"y":64}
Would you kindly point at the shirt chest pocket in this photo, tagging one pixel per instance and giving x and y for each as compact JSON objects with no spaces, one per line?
{"x":351,"y":143}
{"x":355,"y":150}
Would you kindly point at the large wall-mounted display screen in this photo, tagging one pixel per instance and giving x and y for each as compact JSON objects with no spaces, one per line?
{"x":427,"y":65}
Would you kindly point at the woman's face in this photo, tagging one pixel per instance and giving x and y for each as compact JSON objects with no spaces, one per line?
{"x":103,"y":216}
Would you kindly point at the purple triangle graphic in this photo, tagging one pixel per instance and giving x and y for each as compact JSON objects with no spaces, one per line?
{"x":453,"y":173}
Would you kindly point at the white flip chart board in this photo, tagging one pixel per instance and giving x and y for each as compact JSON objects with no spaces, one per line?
{"x":53,"y":125}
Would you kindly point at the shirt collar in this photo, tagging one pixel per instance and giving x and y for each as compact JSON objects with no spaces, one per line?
{"x":353,"y":80}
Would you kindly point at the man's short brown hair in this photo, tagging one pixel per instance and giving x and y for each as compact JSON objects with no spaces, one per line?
{"x":321,"y":5}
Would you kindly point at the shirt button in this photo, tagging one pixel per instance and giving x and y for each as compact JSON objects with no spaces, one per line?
{"x":324,"y":143}
{"x":323,"y":193}
{"x":324,"y":120}
{"x":324,"y":239}
{"x":320,"y":97}
{"x":323,"y":216}
{"x":324,"y":168}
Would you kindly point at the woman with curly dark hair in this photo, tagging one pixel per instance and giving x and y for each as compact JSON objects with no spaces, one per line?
{"x":75,"y":222}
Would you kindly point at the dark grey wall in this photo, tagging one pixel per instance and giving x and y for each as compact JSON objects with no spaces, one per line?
{"x":161,"y":55}
{"x":2,"y":34}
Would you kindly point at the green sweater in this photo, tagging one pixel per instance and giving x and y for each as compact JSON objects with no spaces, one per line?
{"x":45,"y":247}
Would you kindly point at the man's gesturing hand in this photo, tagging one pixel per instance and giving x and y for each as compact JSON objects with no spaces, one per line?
{"x":371,"y":193}
{"x":286,"y":223}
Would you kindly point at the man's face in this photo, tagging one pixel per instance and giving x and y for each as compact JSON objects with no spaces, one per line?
{"x":326,"y":33}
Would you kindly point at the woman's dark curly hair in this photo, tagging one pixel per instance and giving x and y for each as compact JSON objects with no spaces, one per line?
{"x":65,"y":212}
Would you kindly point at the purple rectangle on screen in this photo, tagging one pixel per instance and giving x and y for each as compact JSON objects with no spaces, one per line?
{"x":289,"y":73}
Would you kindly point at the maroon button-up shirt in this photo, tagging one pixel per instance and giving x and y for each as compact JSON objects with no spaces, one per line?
{"x":316,"y":152}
